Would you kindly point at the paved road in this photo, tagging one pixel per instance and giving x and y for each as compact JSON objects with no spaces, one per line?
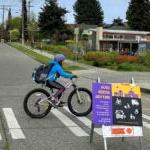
{"x":59,"y":130}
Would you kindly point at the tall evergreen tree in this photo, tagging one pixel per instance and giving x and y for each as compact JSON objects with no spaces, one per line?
{"x":88,"y":12}
{"x":118,"y":21}
{"x":138,"y":15}
{"x":25,"y":20}
{"x":51,"y":19}
{"x":9,"y":26}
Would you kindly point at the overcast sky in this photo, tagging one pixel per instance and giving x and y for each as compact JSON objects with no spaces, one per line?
{"x":112,"y":8}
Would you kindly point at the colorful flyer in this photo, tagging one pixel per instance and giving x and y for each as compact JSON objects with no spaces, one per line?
{"x":127,"y":109}
{"x":102,"y":104}
{"x":117,"y":104}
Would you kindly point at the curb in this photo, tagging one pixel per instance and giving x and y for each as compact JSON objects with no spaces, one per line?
{"x":145,"y":90}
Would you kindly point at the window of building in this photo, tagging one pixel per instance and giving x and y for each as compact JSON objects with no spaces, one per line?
{"x":108,"y":36}
{"x":118,"y":36}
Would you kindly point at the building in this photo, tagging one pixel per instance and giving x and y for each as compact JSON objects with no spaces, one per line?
{"x":117,"y":40}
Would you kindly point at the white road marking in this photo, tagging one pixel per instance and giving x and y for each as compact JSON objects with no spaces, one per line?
{"x":145,"y":124}
{"x":0,"y":137}
{"x":87,"y":122}
{"x":74,"y":128}
{"x":146,"y":109}
{"x":146,"y":117}
{"x":13,"y":125}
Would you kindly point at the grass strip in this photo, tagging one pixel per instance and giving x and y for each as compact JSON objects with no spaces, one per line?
{"x":40,"y":58}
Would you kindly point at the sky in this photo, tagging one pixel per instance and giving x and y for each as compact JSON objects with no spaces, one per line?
{"x":112,"y":8}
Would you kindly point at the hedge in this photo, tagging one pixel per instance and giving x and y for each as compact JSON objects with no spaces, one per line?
{"x":100,"y":58}
{"x":126,"y":59}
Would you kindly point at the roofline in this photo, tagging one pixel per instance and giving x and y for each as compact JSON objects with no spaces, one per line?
{"x":123,"y":31}
{"x":126,"y":31}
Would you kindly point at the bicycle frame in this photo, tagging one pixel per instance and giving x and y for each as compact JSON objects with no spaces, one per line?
{"x":67,"y":85}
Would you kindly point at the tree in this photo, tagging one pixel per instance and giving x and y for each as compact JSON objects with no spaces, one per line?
{"x":88,"y":12}
{"x":118,"y":21}
{"x":16,"y":23}
{"x":14,"y":35}
{"x":138,"y":15}
{"x":9,"y":26}
{"x":25,"y":19}
{"x":51,"y":21}
{"x":16,"y":27}
{"x":33,"y":29}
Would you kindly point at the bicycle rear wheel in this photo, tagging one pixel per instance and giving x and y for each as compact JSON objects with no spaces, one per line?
{"x":32,"y":105}
{"x":83,"y":107}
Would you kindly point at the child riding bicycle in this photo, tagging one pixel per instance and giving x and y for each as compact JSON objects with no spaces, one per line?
{"x":55,"y":72}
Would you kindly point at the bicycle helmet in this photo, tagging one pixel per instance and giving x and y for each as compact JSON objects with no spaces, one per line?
{"x":59,"y":58}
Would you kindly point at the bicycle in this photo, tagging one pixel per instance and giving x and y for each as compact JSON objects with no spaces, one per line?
{"x":78,"y":104}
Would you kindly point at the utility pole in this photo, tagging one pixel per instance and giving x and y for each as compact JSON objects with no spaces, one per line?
{"x":3,"y":16}
{"x":29,"y":5}
{"x":29,"y":9}
{"x":23,"y":22}
{"x":3,"y":7}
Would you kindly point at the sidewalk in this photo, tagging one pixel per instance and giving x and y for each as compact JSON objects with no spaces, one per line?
{"x":142,"y":78}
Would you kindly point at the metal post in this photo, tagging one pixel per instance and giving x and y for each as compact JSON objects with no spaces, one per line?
{"x":92,"y":124}
{"x":105,"y":143}
{"x":98,"y":80}
{"x":141,"y":146}
{"x":92,"y":131}
{"x":122,"y":139}
{"x":132,"y":81}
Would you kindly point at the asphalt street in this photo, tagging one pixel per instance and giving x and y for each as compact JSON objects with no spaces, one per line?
{"x":59,"y":130}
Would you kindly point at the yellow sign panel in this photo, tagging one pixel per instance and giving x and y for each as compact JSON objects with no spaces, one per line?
{"x":126,"y":90}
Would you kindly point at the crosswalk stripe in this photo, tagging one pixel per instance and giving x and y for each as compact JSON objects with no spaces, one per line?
{"x":13,"y":125}
{"x":74,"y":128}
{"x":146,"y":117}
{"x":87,"y":122}
{"x":0,"y":137}
{"x":147,"y":125}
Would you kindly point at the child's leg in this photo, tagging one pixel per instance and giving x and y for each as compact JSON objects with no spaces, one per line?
{"x":57,"y":86}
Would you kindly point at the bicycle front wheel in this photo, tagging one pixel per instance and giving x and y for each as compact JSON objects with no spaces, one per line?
{"x":83,"y":106}
{"x":35,"y":104}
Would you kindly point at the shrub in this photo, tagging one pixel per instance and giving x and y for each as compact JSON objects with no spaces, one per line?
{"x":145,"y":59}
{"x":132,"y":67}
{"x":14,"y":34}
{"x":126,"y":59}
{"x":55,"y":49}
{"x":125,"y":67}
{"x":100,"y":58}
